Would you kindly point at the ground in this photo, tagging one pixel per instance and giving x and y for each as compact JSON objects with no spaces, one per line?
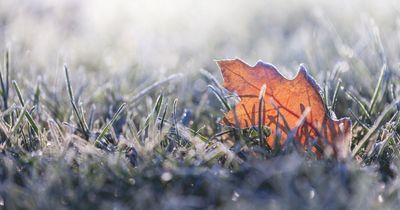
{"x":117,"y":105}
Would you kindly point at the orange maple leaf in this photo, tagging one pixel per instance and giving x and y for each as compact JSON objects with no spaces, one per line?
{"x":296,"y":101}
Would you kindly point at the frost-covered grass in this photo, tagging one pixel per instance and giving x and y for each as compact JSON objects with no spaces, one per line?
{"x":116,"y":106}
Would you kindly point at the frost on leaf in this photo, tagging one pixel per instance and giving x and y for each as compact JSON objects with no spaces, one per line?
{"x":291,"y":107}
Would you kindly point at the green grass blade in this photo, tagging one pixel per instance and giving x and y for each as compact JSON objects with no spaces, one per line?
{"x":82,"y":114}
{"x":107,"y":127}
{"x":377,"y":89}
{"x":154,"y":112}
{"x":157,"y":107}
{"x":360,"y":104}
{"x":32,"y":123}
{"x":163,"y":117}
{"x":36,"y":99}
{"x":373,"y":129}
{"x":335,"y":94}
{"x":81,"y":123}
{"x":5,"y":81}
{"x":70,"y":93}
{"x":18,"y":90}
{"x":220,"y":98}
{"x":175,"y":120}
{"x":19,"y":120}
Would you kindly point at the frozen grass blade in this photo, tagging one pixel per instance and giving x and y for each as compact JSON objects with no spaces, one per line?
{"x":91,"y":116}
{"x":378,"y":89}
{"x":175,"y":120}
{"x":163,"y":117}
{"x":82,"y":114}
{"x":26,"y":113}
{"x":21,"y":100}
{"x":358,"y":120}
{"x":196,"y":133}
{"x":19,"y":120}
{"x":211,"y":78}
{"x":154,"y":86}
{"x":373,"y":129}
{"x":335,"y":94}
{"x":36,"y":99}
{"x":107,"y":127}
{"x":286,"y":124}
{"x":157,"y":107}
{"x":220,"y":98}
{"x":378,"y":42}
{"x":81,"y":122}
{"x":360,"y":104}
{"x":154,"y":113}
{"x":326,"y":96}
{"x":4,"y":82}
{"x":32,"y":122}
{"x":261,"y":117}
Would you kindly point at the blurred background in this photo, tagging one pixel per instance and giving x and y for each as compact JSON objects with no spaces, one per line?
{"x":186,"y":35}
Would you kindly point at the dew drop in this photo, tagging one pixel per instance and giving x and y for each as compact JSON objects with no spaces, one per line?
{"x":380,"y":198}
{"x":312,"y":194}
{"x":166,"y":176}
{"x":1,"y":201}
{"x":235,"y":196}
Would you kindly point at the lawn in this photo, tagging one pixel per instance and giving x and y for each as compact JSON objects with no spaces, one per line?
{"x":119,"y":105}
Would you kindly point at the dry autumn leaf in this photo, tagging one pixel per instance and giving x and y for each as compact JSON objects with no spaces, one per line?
{"x":294,"y":106}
